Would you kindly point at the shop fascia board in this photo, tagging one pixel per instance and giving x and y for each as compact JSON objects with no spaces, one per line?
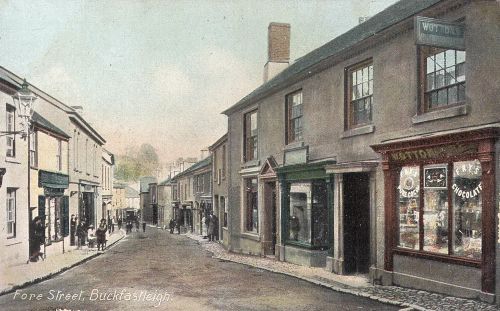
{"x":354,"y":167}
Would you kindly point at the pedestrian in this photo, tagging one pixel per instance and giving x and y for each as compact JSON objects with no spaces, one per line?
{"x":119,"y":223}
{"x":91,"y":237}
{"x":143,"y":226}
{"x":37,"y":235}
{"x":211,"y":227}
{"x":101,"y":235}
{"x":128,"y":227}
{"x":81,"y":232}
{"x":136,"y":225}
{"x":113,"y":224}
{"x":171,"y":225}
{"x":72,"y":230}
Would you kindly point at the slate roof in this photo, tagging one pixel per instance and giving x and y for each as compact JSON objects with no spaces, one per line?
{"x":200,"y":164}
{"x":145,"y":181}
{"x":131,"y":192}
{"x":392,"y":15}
{"x":45,"y":124}
{"x":165,"y":182}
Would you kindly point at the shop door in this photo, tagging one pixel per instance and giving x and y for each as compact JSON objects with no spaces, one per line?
{"x":273,"y":221}
{"x":356,"y":223}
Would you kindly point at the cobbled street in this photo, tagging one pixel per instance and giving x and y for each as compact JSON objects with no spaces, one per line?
{"x":158,"y":270}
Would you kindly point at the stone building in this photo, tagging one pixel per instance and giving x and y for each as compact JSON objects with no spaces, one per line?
{"x":378,"y":152}
{"x":219,"y":189}
{"x":146,"y":207}
{"x":107,"y":164}
{"x":14,"y":211}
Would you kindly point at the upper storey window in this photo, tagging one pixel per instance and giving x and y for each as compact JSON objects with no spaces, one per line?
{"x":250,"y":133}
{"x":359,"y":94}
{"x":444,"y":80}
{"x":294,"y":117}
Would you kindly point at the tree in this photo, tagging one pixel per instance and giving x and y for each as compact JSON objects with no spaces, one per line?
{"x":137,"y":163}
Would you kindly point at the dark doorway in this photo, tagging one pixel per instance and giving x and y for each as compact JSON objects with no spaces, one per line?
{"x":356,"y":223}
{"x":86,"y":210}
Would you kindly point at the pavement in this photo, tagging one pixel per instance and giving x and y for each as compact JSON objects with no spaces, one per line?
{"x":22,"y":275}
{"x":406,"y":298}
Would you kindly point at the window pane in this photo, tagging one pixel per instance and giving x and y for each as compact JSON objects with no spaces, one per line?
{"x":353,"y":78}
{"x":460,"y":57}
{"x":461,"y":92}
{"x":430,"y":81}
{"x":365,"y":89}
{"x":359,"y":76}
{"x":435,"y":209}
{"x":460,"y":72}
{"x":467,"y":209}
{"x":452,"y":95}
{"x":408,"y":207}
{"x":365,"y":74}
{"x":450,"y":58}
{"x":320,"y":214}
{"x":450,"y":75}
{"x":370,"y":87}
{"x":439,"y":78}
{"x":440,"y":61}
{"x":442,"y":97}
{"x":370,"y":72}
{"x":300,"y":212}
{"x":430,"y":64}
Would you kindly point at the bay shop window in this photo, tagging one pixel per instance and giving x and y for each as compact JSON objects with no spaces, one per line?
{"x":439,"y":208}
{"x":440,"y":199}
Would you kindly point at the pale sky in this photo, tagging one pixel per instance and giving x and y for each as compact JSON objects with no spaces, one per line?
{"x":156,"y":71}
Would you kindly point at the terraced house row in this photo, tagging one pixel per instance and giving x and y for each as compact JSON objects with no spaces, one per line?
{"x":376,"y":153}
{"x":57,"y":168}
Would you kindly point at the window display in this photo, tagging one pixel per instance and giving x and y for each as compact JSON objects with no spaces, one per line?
{"x":448,"y":188}
{"x":300,"y":212}
{"x":408,"y":211}
{"x":467,"y":208}
{"x":308,"y":213}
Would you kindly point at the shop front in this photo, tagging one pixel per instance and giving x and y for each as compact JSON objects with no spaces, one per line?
{"x":306,"y":214}
{"x":440,"y":213}
{"x":53,"y":207}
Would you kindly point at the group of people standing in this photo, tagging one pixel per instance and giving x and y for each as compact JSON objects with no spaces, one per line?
{"x":88,"y":235}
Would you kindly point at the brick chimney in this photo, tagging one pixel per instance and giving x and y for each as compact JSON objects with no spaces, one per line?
{"x":278,"y":49}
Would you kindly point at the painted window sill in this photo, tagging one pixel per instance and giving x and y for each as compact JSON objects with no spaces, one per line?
{"x":451,"y":112}
{"x":250,"y":163}
{"x":362,"y":130}
{"x":294,"y":145}
{"x":12,"y":160}
{"x":251,"y":236}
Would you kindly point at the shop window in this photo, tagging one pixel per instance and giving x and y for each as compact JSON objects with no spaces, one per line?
{"x":11,"y":127}
{"x":251,"y":205}
{"x":308,"y":213}
{"x":441,"y":196}
{"x":294,"y":117}
{"x":443,"y":72}
{"x":359,"y":95}
{"x":224,"y":208}
{"x":33,"y":149}
{"x":59,"y":155}
{"x":11,"y":212}
{"x":250,"y":136}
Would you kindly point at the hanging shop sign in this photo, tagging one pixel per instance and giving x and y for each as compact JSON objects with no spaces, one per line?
{"x":434,"y":152}
{"x":52,"y":180}
{"x":439,"y":33}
